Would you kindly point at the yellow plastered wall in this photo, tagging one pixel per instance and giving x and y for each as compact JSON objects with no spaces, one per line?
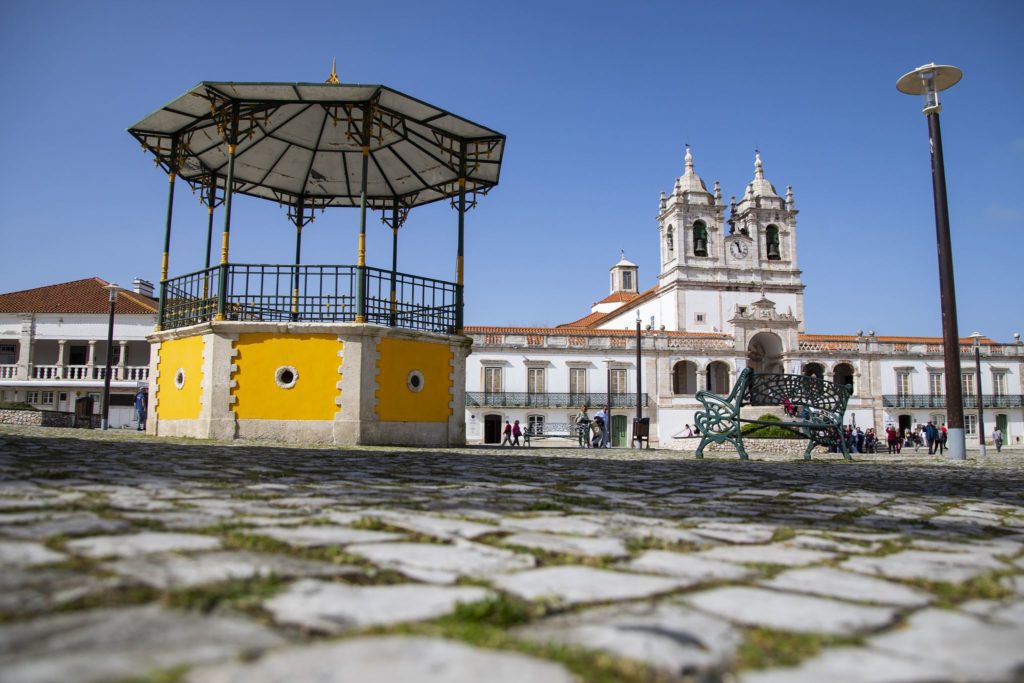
{"x":184,"y":355}
{"x":396,"y":401}
{"x":315,"y":359}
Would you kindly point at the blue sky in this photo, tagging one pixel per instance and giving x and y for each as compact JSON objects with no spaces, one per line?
{"x":597,"y":100}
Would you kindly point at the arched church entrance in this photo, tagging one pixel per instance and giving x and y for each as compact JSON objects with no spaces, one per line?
{"x":764,"y":353}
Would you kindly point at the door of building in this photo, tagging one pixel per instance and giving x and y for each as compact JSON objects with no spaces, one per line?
{"x":492,"y":428}
{"x":906,"y":423}
{"x":619,"y":423}
{"x":1001,"y":423}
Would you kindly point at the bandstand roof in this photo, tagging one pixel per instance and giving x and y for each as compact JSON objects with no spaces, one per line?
{"x":301,"y":143}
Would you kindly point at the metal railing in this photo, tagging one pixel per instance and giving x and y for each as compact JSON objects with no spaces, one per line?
{"x":522,"y":399}
{"x":929,"y":401}
{"x":8,"y":371}
{"x":309,"y":293}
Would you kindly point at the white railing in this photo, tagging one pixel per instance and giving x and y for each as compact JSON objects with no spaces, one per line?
{"x":130,"y":373}
{"x":8,"y":371}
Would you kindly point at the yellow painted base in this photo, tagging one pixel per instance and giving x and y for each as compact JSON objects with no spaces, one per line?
{"x":286,"y":376}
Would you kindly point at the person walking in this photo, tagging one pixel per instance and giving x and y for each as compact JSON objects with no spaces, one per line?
{"x":931,"y":435}
{"x":583,"y":427}
{"x":891,"y":438}
{"x":508,"y":434}
{"x":942,"y":439}
{"x":606,"y":440}
{"x":997,"y":439}
{"x":601,"y":424}
{"x":516,"y":433}
{"x":141,"y":409}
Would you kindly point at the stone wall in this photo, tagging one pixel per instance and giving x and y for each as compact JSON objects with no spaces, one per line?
{"x":38,"y":418}
{"x":794,"y":447}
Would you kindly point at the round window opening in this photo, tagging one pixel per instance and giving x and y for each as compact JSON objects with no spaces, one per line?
{"x":286,"y":376}
{"x":179,"y":378}
{"x":415,"y":381}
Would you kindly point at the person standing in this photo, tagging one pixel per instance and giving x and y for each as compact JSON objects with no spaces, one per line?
{"x":601,"y":421}
{"x":942,"y":439}
{"x":141,"y":409}
{"x":508,"y":434}
{"x":583,"y":427}
{"x":997,"y":438}
{"x":516,"y":433}
{"x":931,"y":435}
{"x":606,"y":440}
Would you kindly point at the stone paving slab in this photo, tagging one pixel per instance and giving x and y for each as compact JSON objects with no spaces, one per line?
{"x":740,"y":532}
{"x":579,"y":526}
{"x":182,"y":571}
{"x":424,"y":660}
{"x":834,"y":583}
{"x":33,"y":590}
{"x":785,"y":554}
{"x":334,"y":607}
{"x":853,"y":665}
{"x":570,"y":585}
{"x":437,"y":563}
{"x":790,"y":612}
{"x":927,"y":565}
{"x":668,"y":636}
{"x":692,"y":569}
{"x":27,"y":554}
{"x":108,"y":644}
{"x":569,"y":545}
{"x":320,"y":535}
{"x":66,"y":525}
{"x":131,"y":545}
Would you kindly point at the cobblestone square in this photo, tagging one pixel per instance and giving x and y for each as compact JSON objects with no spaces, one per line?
{"x":125,"y":557}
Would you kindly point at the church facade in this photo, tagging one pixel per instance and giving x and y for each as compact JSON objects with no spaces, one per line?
{"x":729,"y":296}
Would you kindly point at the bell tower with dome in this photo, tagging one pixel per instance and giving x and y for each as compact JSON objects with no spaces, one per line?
{"x":712,"y":268}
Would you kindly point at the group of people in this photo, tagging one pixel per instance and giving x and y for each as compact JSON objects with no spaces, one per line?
{"x":593,"y":432}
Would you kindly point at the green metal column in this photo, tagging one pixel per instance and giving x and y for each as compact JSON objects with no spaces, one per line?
{"x":298,"y":257}
{"x":222,"y":285}
{"x":211,"y":200}
{"x":459,"y":300}
{"x":393,"y":319}
{"x":361,"y":262}
{"x":172,"y":173}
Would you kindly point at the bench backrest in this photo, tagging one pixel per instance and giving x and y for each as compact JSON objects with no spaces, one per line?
{"x":769,"y":389}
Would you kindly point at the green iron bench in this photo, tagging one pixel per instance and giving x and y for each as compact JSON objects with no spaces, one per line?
{"x":556,"y":430}
{"x":819,"y":406}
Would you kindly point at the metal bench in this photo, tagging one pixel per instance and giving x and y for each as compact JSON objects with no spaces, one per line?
{"x":557,"y":430}
{"x":819,"y":407}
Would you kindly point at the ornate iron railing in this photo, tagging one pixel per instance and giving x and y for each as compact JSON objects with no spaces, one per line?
{"x":928,"y":401}
{"x":308,"y":293}
{"x":522,"y":399}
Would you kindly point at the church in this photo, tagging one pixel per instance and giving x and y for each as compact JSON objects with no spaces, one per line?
{"x":729,"y":296}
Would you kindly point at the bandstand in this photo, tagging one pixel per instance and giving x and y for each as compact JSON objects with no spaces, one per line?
{"x":343,"y":354}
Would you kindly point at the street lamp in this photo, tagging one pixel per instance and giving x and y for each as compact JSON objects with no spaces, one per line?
{"x":637,"y":428}
{"x":112,"y":290}
{"x":981,"y":397}
{"x":929,"y":80}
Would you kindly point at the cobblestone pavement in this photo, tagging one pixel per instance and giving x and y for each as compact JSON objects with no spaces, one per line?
{"x":126,"y":557}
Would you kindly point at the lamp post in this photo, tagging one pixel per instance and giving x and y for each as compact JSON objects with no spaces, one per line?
{"x":981,"y":397}
{"x":639,"y":410}
{"x":929,"y":80}
{"x":112,"y":290}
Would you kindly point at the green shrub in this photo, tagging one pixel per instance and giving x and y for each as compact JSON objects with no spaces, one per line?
{"x":5,"y":405}
{"x":767,"y":432}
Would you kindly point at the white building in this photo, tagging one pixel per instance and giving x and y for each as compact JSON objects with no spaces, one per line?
{"x":729,"y":296}
{"x":53,"y":346}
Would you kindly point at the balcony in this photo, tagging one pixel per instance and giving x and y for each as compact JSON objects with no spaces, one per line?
{"x":129,"y":373}
{"x":929,"y":401}
{"x":8,"y":371}
{"x":522,"y":399}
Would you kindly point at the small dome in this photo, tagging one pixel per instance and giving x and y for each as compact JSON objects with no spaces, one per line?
{"x":759,"y":186}
{"x":623,"y":262}
{"x":690,"y":181}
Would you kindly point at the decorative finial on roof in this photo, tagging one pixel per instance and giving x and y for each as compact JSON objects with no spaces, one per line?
{"x":662,"y":202}
{"x":758,"y":166}
{"x":622,"y":254}
{"x":333,"y":78}
{"x":718,"y":193}
{"x":789,"y":197}
{"x":689,"y":160}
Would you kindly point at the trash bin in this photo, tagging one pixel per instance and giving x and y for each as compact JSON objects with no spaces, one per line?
{"x":641,"y":432}
{"x":83,"y":411}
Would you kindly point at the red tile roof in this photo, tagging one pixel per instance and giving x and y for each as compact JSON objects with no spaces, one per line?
{"x":588,"y":332}
{"x":618,"y":297}
{"x":78,"y":296}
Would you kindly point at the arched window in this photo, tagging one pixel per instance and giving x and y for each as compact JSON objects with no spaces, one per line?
{"x":670,"y":244}
{"x":772,"y":245}
{"x":718,"y":378}
{"x":843,"y":375}
{"x":814,"y":370}
{"x":684,"y":378}
{"x":700,"y":239}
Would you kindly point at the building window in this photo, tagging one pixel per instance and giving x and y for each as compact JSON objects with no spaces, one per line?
{"x":47,"y":398}
{"x":903,"y":383}
{"x":535,"y":423}
{"x":935,"y":384}
{"x":970,"y":424}
{"x":700,"y":239}
{"x":773,"y":247}
{"x":999,"y":383}
{"x":627,"y":280}
{"x":8,"y":354}
{"x":78,"y":355}
{"x":32,"y":397}
{"x":700,"y":318}
{"x":684,"y":378}
{"x":492,"y":380}
{"x":670,"y":243}
{"x":577,"y":381}
{"x":618,"y":380}
{"x":535,"y":380}
{"x":967,"y":382}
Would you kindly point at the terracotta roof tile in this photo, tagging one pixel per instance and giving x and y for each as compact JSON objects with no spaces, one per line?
{"x":77,"y":296}
{"x":587,"y":332}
